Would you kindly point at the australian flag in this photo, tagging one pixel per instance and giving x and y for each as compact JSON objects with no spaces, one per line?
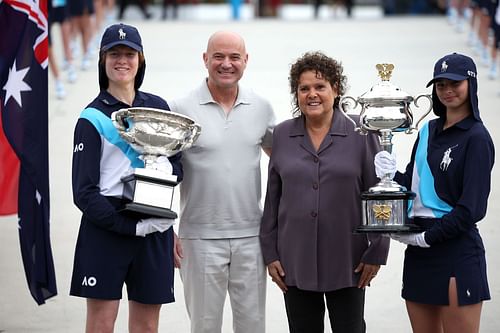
{"x":24,"y":167}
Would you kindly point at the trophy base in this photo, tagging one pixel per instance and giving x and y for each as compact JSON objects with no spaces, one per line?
{"x":145,"y":211}
{"x":148,"y":193}
{"x":386,"y":212}
{"x":389,"y":229}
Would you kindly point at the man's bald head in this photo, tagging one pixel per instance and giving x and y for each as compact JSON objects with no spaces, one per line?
{"x":226,"y":38}
{"x":226,"y":59}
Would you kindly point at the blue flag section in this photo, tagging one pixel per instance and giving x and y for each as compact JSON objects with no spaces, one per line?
{"x":24,"y":112}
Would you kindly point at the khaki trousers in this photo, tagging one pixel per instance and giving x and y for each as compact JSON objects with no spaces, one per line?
{"x":210,"y":269}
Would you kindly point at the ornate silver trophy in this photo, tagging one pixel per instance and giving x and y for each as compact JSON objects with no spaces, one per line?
{"x":385,"y":109}
{"x":153,"y":133}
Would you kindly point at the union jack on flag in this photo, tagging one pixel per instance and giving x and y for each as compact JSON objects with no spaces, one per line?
{"x":24,"y":170}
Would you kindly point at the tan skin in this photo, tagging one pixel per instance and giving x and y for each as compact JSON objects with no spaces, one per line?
{"x":316,"y":97}
{"x":426,"y":318}
{"x":82,"y":25}
{"x":122,"y":64}
{"x":226,"y":60}
{"x":455,"y":96}
{"x":452,"y":318}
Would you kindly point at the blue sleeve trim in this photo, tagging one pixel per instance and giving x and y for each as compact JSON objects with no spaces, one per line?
{"x":106,"y":129}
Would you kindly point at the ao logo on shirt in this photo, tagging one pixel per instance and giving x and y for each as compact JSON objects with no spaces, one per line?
{"x":78,"y":147}
{"x":90,"y":281}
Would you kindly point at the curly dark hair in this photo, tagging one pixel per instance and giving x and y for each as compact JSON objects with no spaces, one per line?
{"x":329,"y":69}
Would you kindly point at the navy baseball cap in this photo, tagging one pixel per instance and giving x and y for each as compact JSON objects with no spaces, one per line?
{"x":121,"y":34}
{"x":455,"y":66}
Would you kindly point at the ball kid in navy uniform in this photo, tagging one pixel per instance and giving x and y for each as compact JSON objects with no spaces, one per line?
{"x":444,"y":275}
{"x":113,"y":248}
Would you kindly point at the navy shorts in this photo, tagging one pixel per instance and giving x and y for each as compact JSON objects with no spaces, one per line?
{"x":58,"y":14}
{"x":105,"y":260}
{"x":427,"y":271}
{"x":80,"y":7}
{"x":491,"y":8}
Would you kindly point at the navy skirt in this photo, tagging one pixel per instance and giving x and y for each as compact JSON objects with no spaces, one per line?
{"x":427,"y":271}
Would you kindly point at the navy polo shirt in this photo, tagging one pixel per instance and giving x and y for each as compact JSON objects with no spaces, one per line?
{"x":460,"y":160}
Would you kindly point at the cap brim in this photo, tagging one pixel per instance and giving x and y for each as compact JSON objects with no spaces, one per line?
{"x":449,"y":76}
{"x":122,"y":42}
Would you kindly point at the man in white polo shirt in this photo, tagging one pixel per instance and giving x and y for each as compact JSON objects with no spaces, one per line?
{"x":221,"y":191}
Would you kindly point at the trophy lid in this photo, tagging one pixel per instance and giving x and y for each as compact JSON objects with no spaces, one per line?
{"x":385,"y":91}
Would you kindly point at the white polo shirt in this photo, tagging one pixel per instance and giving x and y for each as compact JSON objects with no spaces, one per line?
{"x":221,"y":191}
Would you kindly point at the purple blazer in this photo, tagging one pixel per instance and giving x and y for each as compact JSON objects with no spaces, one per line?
{"x":313,"y":205}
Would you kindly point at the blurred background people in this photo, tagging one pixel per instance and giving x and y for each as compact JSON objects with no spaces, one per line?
{"x":142,"y":4}
{"x":81,"y":12}
{"x":59,"y":13}
{"x":173,"y":8}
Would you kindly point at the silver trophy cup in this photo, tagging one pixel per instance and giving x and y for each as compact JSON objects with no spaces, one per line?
{"x":385,"y":109}
{"x":153,"y":133}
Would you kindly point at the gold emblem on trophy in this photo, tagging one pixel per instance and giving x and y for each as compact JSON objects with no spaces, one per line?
{"x":382,"y":212}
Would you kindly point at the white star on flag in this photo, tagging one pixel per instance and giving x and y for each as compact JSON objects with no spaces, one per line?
{"x":15,"y":84}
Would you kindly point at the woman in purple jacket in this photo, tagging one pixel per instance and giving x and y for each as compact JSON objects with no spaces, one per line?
{"x":318,"y":168}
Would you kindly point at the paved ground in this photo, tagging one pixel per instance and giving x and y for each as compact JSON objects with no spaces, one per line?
{"x":173,"y":53}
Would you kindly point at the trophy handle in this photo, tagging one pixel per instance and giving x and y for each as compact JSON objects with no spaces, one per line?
{"x":196,"y":131}
{"x":410,"y":130}
{"x":346,"y":100}
{"x":119,"y":119}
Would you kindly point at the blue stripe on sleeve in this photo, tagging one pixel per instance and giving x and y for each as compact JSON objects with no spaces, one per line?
{"x":106,"y":129}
